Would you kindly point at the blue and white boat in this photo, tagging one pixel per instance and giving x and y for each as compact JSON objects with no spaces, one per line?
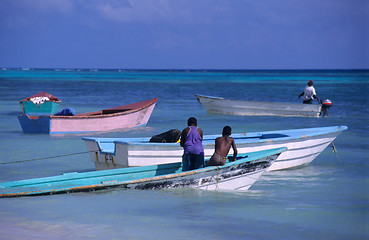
{"x":238,"y":175}
{"x":303,"y":145}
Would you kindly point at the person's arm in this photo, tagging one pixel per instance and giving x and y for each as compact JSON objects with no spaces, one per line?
{"x":301,"y":94}
{"x":234,"y":150}
{"x":314,"y":96}
{"x":183,"y":136}
{"x":201,"y":133}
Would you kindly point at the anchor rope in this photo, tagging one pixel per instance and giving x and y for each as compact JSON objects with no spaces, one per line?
{"x":217,"y":179}
{"x":37,"y":159}
{"x":335,"y":151}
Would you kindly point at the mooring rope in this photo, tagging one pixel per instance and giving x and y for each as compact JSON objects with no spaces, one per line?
{"x":37,"y":159}
{"x":335,"y":151}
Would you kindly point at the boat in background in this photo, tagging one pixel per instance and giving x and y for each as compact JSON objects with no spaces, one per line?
{"x":42,"y":103}
{"x":220,"y":105}
{"x":127,"y":116}
{"x":238,"y":175}
{"x":303,"y":146}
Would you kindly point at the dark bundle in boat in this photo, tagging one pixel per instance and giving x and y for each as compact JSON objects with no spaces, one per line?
{"x":170,"y":136}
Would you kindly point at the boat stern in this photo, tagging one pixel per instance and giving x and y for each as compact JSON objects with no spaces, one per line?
{"x":35,"y":124}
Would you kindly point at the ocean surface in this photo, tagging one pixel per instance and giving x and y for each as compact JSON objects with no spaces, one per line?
{"x":328,"y":199}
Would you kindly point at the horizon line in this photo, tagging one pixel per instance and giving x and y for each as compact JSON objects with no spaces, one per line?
{"x":187,"y":69}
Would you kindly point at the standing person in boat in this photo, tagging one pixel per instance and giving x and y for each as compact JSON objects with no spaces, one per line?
{"x":191,"y":141}
{"x":309,"y":93}
{"x":222,"y":146}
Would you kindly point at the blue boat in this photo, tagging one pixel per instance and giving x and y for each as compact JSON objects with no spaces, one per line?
{"x":237,"y":175}
{"x":42,"y":103}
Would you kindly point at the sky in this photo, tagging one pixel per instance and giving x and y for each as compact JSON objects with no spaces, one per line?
{"x":185,"y":34}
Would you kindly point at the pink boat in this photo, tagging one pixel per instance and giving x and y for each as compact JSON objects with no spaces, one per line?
{"x":127,"y":116}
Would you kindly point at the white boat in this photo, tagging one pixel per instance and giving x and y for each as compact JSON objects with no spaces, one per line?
{"x":303,"y":146}
{"x":220,"y":105}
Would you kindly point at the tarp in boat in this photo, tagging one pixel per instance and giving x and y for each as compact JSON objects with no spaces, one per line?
{"x":43,"y":94}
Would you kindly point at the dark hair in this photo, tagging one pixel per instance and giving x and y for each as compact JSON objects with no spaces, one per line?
{"x":192,"y":121}
{"x":227,"y":130}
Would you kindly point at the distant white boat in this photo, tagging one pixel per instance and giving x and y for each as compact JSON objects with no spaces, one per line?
{"x":251,"y":108}
{"x":303,"y":146}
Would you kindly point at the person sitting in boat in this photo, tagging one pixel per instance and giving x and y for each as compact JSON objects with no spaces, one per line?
{"x":222,"y":146}
{"x":309,"y":93}
{"x":191,"y":141}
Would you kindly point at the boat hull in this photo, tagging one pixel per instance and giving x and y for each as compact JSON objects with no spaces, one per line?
{"x":303,"y":145}
{"x":239,"y":175}
{"x":45,"y":108}
{"x":80,"y":124}
{"x":251,"y":108}
{"x":42,"y":103}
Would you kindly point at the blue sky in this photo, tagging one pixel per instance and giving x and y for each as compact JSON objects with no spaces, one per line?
{"x":190,"y":34}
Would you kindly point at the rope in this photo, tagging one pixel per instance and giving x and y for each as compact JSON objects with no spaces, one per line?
{"x":37,"y":159}
{"x":217,"y":179}
{"x":335,"y":151}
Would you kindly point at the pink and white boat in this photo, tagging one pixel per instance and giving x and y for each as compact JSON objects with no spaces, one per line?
{"x":127,"y":116}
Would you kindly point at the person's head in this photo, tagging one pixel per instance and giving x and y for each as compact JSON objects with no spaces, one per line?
{"x":192,"y":121}
{"x":310,"y":82}
{"x":227,"y":131}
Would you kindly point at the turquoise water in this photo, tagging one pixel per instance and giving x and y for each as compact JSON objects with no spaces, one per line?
{"x":327,"y":199}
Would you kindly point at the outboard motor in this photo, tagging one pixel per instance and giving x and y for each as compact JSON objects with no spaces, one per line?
{"x":326,"y":104}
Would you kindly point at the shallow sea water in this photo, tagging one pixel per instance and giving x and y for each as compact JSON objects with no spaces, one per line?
{"x":327,"y":199}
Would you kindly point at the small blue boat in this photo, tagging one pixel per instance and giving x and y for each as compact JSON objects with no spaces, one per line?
{"x":237,"y":175}
{"x":42,"y":103}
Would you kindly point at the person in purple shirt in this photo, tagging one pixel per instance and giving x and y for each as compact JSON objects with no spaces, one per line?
{"x":191,"y":141}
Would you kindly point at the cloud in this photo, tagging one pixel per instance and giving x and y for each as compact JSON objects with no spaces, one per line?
{"x":180,"y":11}
{"x":126,"y":11}
{"x":62,"y":6}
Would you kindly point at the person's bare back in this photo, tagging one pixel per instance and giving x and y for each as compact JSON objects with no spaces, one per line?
{"x":222,"y":146}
